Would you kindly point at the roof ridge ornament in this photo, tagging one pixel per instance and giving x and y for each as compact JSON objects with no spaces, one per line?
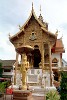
{"x":56,"y":33}
{"x":9,"y":35}
{"x":40,"y":16}
{"x":40,"y":9}
{"x":32,"y":6}
{"x":19,"y":27}
{"x":61,"y":37}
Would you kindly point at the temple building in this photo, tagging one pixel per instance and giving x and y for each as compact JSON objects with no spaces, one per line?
{"x":45,"y":58}
{"x":7,"y":66}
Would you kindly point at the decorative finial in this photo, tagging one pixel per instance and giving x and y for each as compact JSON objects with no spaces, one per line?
{"x":40,"y":9}
{"x":19,"y":27}
{"x":40,"y":16}
{"x":9,"y":35}
{"x":32,"y":5}
{"x":56,"y":33}
{"x":61,"y":37}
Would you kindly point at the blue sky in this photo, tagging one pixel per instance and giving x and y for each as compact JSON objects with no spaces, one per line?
{"x":15,"y":12}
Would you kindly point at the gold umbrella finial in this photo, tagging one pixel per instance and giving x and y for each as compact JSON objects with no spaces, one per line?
{"x":40,"y":9}
{"x":32,"y":5}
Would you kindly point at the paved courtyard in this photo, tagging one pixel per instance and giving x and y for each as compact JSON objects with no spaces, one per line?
{"x":8,"y":97}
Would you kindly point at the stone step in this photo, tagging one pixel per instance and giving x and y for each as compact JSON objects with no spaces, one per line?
{"x":38,"y":94}
{"x":37,"y":91}
{"x":40,"y":91}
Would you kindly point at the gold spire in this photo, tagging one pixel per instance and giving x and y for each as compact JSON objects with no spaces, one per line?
{"x":40,"y":16}
{"x":32,"y":5}
{"x":40,"y":9}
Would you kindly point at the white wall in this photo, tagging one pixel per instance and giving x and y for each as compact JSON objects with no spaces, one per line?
{"x":57,"y":56}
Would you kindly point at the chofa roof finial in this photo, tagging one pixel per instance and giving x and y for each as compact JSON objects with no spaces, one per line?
{"x":9,"y":35}
{"x":56,"y":33}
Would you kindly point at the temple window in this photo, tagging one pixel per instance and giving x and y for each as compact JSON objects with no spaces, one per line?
{"x":54,"y":62}
{"x":7,"y":70}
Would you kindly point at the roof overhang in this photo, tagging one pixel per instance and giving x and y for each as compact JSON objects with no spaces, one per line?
{"x":24,"y":49}
{"x":16,"y":36}
{"x":48,"y":32}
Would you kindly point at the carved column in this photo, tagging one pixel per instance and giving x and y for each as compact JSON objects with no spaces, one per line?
{"x":16,"y":65}
{"x":42,"y":56}
{"x":50,"y":65}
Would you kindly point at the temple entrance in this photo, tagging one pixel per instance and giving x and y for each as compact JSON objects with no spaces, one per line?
{"x":36,"y":56}
{"x":56,"y":76}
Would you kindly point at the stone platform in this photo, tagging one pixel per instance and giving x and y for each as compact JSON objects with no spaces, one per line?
{"x":8,"y":97}
{"x":22,"y":95}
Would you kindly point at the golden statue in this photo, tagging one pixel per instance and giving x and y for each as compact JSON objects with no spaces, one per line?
{"x":23,"y":69}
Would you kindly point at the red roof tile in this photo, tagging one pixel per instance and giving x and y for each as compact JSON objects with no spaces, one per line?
{"x":58,"y":47}
{"x":59,"y":44}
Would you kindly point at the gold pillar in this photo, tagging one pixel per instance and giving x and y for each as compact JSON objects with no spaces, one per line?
{"x":16,"y":65}
{"x":42,"y":56}
{"x":50,"y":64}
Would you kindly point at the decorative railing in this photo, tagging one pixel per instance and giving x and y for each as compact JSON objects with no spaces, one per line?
{"x":46,"y":65}
{"x":54,"y":64}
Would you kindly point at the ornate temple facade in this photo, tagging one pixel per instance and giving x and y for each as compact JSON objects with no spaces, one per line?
{"x":46,"y":55}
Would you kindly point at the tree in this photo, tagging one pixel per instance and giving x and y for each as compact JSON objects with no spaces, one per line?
{"x":63,"y":85}
{"x":1,"y":70}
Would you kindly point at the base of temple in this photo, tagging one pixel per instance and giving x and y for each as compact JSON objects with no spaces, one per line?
{"x":22,"y":95}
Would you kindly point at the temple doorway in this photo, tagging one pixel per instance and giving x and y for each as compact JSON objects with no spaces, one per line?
{"x":56,"y":76}
{"x":36,"y":56}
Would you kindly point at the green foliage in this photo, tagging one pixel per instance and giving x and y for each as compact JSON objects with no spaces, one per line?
{"x":3,"y":86}
{"x":52,"y":95}
{"x":63,"y":86}
{"x":1,"y":70}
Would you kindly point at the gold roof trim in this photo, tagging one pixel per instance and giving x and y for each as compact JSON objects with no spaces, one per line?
{"x":15,"y":35}
{"x":48,"y":31}
{"x":22,"y":27}
{"x":33,"y":13}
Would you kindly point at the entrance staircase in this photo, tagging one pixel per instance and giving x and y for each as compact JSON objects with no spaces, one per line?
{"x":37,"y":91}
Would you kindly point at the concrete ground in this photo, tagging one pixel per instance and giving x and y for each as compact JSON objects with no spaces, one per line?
{"x":8,"y":97}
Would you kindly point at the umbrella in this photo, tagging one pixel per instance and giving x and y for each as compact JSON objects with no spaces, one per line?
{"x":24,"y":49}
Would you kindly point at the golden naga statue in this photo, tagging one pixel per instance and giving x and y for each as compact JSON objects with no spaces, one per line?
{"x":23,"y":70}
